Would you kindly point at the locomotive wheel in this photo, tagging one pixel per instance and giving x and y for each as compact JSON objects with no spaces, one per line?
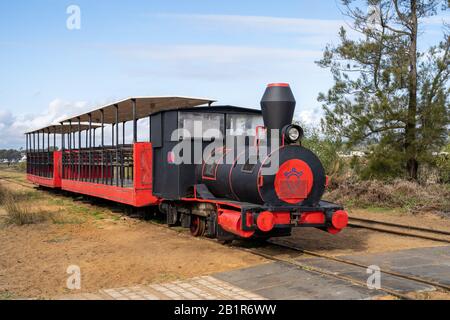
{"x":262,"y":239}
{"x":225,"y":242}
{"x":198,"y":226}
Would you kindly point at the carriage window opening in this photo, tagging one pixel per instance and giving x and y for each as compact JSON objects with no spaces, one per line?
{"x":200,"y":125}
{"x":243,"y":124}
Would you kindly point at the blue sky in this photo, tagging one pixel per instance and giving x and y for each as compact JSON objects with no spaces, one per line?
{"x":226,"y":50}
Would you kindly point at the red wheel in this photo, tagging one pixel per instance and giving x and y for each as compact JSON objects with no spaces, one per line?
{"x":198,"y":226}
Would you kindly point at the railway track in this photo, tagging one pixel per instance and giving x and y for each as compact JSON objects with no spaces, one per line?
{"x":400,"y":229}
{"x":374,"y":225}
{"x":360,"y":223}
{"x":352,"y":263}
{"x":320,"y":271}
{"x":23,"y":184}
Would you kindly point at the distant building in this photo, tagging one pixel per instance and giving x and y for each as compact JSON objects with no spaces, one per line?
{"x":351,"y":154}
{"x":445,"y":154}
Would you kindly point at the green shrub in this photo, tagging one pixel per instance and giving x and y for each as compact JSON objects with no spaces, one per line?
{"x":325,"y":148}
{"x":443,"y":164}
{"x":21,"y":167}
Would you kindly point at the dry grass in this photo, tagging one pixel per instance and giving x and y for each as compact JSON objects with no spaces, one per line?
{"x":397,"y":194}
{"x":4,"y":194}
{"x":20,"y":213}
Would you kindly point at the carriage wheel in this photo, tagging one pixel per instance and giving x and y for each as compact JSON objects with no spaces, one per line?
{"x":198,"y":226}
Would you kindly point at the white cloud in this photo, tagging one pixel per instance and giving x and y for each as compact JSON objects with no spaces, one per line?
{"x":216,"y":62}
{"x":12,"y":127}
{"x":437,"y":19}
{"x":215,"y":53}
{"x":263,"y":23}
{"x":309,"y":117}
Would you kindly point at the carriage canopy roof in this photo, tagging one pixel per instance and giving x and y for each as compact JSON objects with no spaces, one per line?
{"x":145,"y":106}
{"x":65,"y":128}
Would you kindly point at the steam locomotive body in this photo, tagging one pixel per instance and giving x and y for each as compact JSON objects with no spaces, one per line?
{"x":222,"y":171}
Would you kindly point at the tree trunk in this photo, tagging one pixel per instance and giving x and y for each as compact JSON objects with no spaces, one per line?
{"x":410,"y":130}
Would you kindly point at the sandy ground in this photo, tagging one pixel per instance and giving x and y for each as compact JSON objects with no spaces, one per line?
{"x":34,"y":259}
{"x":113,"y":250}
{"x":110,"y":249}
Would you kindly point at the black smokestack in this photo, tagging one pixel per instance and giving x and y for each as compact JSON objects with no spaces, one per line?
{"x":278,"y":105}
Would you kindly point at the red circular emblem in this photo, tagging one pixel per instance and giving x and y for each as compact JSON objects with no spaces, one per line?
{"x":293,"y":181}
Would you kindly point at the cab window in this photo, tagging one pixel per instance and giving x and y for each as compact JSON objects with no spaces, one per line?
{"x":243,"y":124}
{"x":200,"y":125}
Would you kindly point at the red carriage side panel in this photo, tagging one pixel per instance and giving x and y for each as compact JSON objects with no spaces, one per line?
{"x":139,"y":195}
{"x":143,"y":179}
{"x":50,"y":182}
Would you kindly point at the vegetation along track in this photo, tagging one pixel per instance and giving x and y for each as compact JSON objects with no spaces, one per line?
{"x":400,"y":229}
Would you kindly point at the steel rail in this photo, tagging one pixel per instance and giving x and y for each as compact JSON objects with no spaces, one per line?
{"x":324,"y":272}
{"x":390,"y":224}
{"x":345,"y":261}
{"x":401,"y":233}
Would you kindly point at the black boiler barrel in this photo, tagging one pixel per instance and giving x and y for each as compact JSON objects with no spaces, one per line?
{"x":247,"y":183}
{"x":278,"y":105}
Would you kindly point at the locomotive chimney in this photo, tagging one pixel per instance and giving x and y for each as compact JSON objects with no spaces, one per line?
{"x":278,"y":105}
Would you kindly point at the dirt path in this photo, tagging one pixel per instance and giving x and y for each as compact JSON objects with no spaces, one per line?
{"x":34,"y":259}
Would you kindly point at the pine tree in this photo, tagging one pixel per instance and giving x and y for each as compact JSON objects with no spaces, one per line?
{"x":386,"y":92}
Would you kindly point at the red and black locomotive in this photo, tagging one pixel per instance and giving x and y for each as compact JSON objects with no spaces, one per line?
{"x":253,"y":179}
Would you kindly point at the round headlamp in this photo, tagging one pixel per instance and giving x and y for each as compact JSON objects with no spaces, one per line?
{"x":293,"y":133}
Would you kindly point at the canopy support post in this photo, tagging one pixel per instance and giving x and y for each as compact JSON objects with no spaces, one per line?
{"x":38,"y":169}
{"x":26,"y":150}
{"x":90,"y":148}
{"x":70,"y":150}
{"x":79,"y":149}
{"x":122,"y":169}
{"x":48,"y":154}
{"x":95,"y":166}
{"x":102,"y":116}
{"x":117,"y":145}
{"x":62,"y":150}
{"x":133,"y":103}
{"x":34,"y":154}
